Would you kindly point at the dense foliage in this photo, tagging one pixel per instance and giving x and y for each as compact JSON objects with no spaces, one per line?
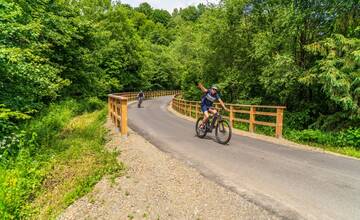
{"x":300,"y":53}
{"x":304,"y":54}
{"x":51,"y":50}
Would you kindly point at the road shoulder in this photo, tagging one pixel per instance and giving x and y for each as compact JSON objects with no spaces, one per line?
{"x":158,"y":186}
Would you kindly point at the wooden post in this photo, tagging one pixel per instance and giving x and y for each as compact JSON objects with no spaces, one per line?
{"x":252,"y":119}
{"x":185,"y":108}
{"x":190,"y":109}
{"x":197,"y":110}
{"x":279,"y":122}
{"x":182,"y":107}
{"x":115,"y":112}
{"x":123,"y":106}
{"x":109,"y":106}
{"x":231,"y":116}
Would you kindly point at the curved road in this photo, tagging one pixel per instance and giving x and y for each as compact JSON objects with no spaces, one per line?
{"x":292,"y":183}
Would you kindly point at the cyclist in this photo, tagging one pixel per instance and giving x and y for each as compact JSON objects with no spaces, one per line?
{"x":210,"y":95}
{"x":140,"y":97}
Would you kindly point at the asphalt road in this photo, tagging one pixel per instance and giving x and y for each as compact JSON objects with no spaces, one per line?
{"x":290,"y":182}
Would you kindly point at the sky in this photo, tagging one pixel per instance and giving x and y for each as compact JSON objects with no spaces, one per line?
{"x":168,"y":4}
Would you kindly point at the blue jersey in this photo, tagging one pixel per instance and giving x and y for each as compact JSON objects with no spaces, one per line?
{"x":208,"y":99}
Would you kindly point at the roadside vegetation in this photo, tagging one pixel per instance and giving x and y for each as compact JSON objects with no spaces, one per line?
{"x":303,"y":54}
{"x":56,"y":158}
{"x":344,"y":142}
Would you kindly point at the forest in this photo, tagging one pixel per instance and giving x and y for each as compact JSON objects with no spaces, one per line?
{"x":303,"y":54}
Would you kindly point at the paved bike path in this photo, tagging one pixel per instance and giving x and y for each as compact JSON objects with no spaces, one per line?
{"x":292,"y":182}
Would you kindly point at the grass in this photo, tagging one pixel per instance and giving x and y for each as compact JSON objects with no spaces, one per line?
{"x":67,"y":159}
{"x":77,"y":169}
{"x":324,"y":140}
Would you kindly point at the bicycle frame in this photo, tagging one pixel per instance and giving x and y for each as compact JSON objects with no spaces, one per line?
{"x":214,"y":118}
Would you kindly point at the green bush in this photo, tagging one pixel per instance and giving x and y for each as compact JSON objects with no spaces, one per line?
{"x":310,"y":136}
{"x":48,"y":124}
{"x":346,"y":138}
{"x":350,"y":137}
{"x":91,"y":104}
{"x":297,"y":120}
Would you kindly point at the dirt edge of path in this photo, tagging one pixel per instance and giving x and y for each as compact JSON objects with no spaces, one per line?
{"x":158,"y":186}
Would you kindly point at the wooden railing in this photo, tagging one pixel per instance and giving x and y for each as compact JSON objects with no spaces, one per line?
{"x":238,"y":113}
{"x":117,"y":105}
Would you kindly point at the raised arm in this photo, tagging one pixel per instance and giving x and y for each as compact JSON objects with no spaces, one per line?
{"x":203,"y":89}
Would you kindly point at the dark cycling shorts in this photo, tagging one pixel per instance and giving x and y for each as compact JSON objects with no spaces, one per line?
{"x":205,"y":108}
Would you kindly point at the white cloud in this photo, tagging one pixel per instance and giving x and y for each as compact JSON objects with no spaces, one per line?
{"x":168,"y":5}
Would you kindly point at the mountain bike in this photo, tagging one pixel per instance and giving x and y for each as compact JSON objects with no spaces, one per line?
{"x":222,"y":128}
{"x":140,"y":100}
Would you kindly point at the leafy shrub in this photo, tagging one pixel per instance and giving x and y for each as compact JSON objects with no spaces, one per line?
{"x":346,"y":138}
{"x":49,"y":123}
{"x":8,"y":119}
{"x":310,"y":136}
{"x":350,"y":137}
{"x":297,"y":120}
{"x":10,"y":136}
{"x":91,"y":104}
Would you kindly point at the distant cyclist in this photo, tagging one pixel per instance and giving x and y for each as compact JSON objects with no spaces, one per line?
{"x":210,"y":96}
{"x":140,"y":97}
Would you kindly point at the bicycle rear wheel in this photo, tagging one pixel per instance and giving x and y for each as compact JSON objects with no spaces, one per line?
{"x":200,"y":132}
{"x":223,"y":132}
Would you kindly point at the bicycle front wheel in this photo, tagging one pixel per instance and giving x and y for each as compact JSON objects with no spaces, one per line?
{"x":223,"y":132}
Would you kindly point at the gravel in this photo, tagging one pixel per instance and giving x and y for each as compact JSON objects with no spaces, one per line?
{"x":157,"y":186}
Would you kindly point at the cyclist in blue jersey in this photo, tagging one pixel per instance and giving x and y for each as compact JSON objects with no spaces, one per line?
{"x":210,"y":96}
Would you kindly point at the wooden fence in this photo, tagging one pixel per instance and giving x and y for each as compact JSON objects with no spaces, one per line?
{"x":117,"y":105}
{"x":238,"y":113}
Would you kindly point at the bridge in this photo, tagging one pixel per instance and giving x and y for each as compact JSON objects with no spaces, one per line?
{"x":292,"y":182}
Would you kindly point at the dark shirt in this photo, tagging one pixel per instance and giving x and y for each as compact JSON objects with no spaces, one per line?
{"x":208,"y":99}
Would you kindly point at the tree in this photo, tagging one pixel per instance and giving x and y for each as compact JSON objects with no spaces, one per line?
{"x":161,"y":16}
